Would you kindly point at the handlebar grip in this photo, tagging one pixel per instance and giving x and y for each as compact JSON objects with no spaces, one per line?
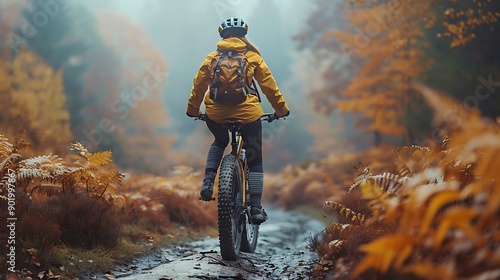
{"x":201,"y":117}
{"x":271,"y":117}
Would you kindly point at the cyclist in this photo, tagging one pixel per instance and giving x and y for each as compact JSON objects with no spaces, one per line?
{"x":233,"y":31}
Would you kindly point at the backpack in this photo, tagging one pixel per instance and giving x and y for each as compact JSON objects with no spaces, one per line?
{"x":228,"y":78}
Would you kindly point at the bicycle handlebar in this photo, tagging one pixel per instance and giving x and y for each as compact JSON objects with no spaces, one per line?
{"x":269,"y":117}
{"x":201,"y":117}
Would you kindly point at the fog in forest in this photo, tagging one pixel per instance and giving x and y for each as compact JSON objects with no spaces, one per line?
{"x":186,"y":31}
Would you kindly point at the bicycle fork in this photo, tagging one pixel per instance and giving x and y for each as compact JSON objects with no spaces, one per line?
{"x":240,"y":154}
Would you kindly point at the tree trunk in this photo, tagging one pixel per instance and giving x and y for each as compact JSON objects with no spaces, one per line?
{"x":377,"y":138}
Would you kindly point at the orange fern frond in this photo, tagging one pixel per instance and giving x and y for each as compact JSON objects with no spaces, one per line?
{"x":111,"y":177}
{"x":385,"y":252}
{"x":83,"y":176}
{"x":449,"y":114}
{"x":388,"y":183}
{"x":436,"y":203}
{"x":344,"y":214}
{"x":457,"y":218}
{"x":335,"y":231}
{"x":100,"y":158}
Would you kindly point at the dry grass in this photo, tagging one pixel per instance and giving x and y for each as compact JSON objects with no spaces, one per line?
{"x":312,"y":182}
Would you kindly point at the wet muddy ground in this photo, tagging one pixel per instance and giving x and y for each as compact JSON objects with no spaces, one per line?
{"x":282,"y":253}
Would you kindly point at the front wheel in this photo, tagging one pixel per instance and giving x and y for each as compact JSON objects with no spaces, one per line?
{"x":230,"y":208}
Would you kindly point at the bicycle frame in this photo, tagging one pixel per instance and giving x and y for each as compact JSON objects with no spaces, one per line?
{"x":236,"y":150}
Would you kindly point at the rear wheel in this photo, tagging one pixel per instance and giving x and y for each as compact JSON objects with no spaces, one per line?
{"x":230,"y":208}
{"x":249,"y":236}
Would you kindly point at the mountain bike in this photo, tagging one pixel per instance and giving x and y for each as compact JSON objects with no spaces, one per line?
{"x":236,"y":230}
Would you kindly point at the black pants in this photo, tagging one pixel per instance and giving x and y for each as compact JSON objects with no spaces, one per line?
{"x":252,"y":139}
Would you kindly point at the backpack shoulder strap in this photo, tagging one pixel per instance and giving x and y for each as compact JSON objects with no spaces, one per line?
{"x":256,"y":90}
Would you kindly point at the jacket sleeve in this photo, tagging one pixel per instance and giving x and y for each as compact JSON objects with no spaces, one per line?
{"x":269,"y":87}
{"x":200,"y":87}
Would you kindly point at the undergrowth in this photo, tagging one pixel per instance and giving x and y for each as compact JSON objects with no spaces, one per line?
{"x":436,"y":217}
{"x":83,"y":214}
{"x":313,"y":182}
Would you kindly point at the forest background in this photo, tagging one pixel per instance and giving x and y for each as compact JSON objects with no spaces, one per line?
{"x":115,"y":76}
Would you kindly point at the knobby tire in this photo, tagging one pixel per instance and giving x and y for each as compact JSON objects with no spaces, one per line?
{"x":230,"y":208}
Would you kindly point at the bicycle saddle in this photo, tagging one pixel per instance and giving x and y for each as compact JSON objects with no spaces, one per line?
{"x":233,"y":124}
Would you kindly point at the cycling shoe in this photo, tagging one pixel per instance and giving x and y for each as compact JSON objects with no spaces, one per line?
{"x":258,"y":215}
{"x":207,"y":190}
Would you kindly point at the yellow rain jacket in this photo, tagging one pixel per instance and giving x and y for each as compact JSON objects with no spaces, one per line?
{"x":247,"y":111}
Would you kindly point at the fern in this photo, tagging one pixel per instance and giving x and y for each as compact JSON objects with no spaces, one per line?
{"x":336,"y":230}
{"x":113,"y":178}
{"x":448,"y":114}
{"x":336,"y":246}
{"x":83,"y":178}
{"x":387,"y":182}
{"x":41,"y":167}
{"x":108,"y":183}
{"x":447,"y":213}
{"x":93,"y":160}
{"x":362,"y":170}
{"x":408,"y":159}
{"x":387,"y":251}
{"x":79,"y":149}
{"x":344,"y":214}
{"x":9,"y":161}
{"x":100,"y":158}
{"x":91,"y":177}
{"x":6,"y":147}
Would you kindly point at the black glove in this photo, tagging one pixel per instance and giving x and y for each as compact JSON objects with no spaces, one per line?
{"x":285,"y":115}
{"x":192,"y":116}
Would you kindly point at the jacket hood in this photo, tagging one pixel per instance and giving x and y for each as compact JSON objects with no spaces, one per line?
{"x":231,"y":43}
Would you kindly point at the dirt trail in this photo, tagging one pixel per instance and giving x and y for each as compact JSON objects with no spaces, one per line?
{"x":281,"y":253}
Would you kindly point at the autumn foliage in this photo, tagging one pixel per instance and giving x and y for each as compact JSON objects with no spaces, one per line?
{"x":426,"y":211}
{"x":85,"y":202}
{"x":311,"y":182}
{"x":436,"y":219}
{"x":374,"y":50}
{"x":30,"y":89}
